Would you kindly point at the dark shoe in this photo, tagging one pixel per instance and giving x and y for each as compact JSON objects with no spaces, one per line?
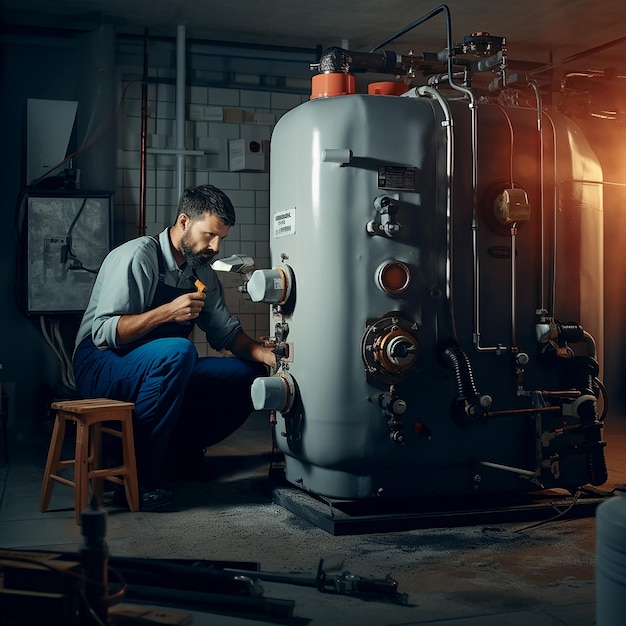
{"x":156,"y":500}
{"x":150,"y":500}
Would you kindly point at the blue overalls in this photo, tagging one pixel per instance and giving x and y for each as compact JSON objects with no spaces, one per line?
{"x":183,"y":403}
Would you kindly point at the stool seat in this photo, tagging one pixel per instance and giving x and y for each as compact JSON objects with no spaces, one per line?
{"x":89,"y":416}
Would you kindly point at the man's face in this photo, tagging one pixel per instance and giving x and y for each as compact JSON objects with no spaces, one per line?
{"x":201,"y":240}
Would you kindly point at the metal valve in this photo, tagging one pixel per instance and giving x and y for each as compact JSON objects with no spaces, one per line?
{"x":383,"y":223}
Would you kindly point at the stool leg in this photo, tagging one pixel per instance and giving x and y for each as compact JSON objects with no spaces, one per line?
{"x":52,"y":462}
{"x":81,"y":470}
{"x":95,"y":461}
{"x":131,"y":488}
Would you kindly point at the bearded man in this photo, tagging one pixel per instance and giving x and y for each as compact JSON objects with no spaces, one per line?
{"x":133,"y":342}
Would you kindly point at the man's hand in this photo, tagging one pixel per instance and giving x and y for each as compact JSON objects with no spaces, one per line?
{"x":245,"y":347}
{"x":187,"y":307}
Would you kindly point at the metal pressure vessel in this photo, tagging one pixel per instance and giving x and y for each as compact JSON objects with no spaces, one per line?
{"x":417,"y":247}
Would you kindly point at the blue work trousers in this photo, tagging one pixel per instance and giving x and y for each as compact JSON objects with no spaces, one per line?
{"x":183,"y":403}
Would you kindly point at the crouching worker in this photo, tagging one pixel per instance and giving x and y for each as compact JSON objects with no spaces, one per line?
{"x":132,"y":343}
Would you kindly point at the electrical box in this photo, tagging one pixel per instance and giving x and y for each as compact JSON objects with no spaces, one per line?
{"x":247,"y":155}
{"x":65,"y":237}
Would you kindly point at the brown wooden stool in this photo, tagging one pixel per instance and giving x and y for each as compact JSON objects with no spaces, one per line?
{"x":88,"y":416}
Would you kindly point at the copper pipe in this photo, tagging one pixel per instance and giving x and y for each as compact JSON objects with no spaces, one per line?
{"x":144,"y":133}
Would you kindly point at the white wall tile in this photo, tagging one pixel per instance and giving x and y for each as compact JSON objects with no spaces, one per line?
{"x":202,"y":178}
{"x":255,"y":131}
{"x":253,"y":232}
{"x":165,"y":126}
{"x":166,"y":72}
{"x":165,"y":110}
{"x":165,"y":178}
{"x":229,"y":247}
{"x":255,"y":99}
{"x":285,"y":100}
{"x":263,"y":247}
{"x":223,"y":130}
{"x":247,"y":248}
{"x":198,"y":95}
{"x":166,"y":93}
{"x":224,"y":180}
{"x":241,"y":198}
{"x":218,"y":95}
{"x":132,"y":107}
{"x":245,"y":214}
{"x":262,"y":198}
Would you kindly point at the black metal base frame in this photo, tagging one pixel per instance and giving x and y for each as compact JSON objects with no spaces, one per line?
{"x":379,"y":515}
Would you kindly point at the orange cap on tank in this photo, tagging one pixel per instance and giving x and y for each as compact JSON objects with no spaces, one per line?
{"x":387,"y":88}
{"x":332,"y":84}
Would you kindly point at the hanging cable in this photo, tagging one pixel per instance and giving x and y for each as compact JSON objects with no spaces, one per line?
{"x":56,"y":344}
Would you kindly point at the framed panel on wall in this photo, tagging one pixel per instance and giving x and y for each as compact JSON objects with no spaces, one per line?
{"x":67,"y":236}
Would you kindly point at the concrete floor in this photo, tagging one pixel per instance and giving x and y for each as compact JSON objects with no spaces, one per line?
{"x":509,"y":573}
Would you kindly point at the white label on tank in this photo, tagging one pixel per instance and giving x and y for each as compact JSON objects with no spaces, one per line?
{"x":285,"y":223}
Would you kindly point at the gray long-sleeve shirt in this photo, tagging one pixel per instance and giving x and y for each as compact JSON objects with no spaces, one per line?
{"x":126,"y":283}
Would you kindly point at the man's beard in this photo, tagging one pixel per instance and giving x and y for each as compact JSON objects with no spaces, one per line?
{"x":196,"y":260}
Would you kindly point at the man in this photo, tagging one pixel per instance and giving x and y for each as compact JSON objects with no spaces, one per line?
{"x":132,"y":343}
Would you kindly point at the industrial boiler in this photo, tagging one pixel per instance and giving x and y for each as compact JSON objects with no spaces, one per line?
{"x":436,"y":284}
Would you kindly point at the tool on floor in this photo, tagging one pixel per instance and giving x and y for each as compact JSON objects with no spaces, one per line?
{"x":346,"y":583}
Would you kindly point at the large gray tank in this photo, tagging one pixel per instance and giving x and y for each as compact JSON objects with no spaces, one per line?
{"x":436,"y":292}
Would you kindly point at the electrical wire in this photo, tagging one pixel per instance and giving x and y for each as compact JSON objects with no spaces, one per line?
{"x":605,"y":399}
{"x":556,"y":517}
{"x":55,"y":341}
{"x":76,"y":263}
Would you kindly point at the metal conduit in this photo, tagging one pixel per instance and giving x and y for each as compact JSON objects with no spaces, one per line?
{"x":449,"y":128}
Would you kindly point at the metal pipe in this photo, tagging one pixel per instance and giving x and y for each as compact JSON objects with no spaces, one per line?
{"x":476,"y":261}
{"x":508,"y":468}
{"x":421,"y":20}
{"x":144,"y":132}
{"x":535,"y":87}
{"x":180,"y":110}
{"x":513,"y":287}
{"x":448,"y":124}
{"x":552,"y":287}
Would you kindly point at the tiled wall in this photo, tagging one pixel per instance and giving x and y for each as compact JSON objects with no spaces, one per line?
{"x":230,"y":114}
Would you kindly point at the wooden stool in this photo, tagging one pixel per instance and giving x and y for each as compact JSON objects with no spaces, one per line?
{"x":88,"y":416}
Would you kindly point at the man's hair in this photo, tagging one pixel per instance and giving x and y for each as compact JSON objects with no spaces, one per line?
{"x":196,"y":201}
